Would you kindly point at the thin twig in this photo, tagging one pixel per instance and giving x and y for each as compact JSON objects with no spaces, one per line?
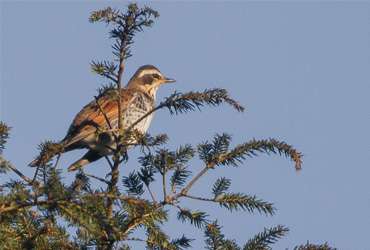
{"x":35,"y":175}
{"x":164,"y":185}
{"x":57,"y":160}
{"x":109,"y":161}
{"x":136,"y":239}
{"x":15,"y":170}
{"x":198,"y":198}
{"x":186,"y":189}
{"x":97,"y":178}
{"x":112,"y":185}
{"x":151,"y":194}
{"x":107,"y":121}
{"x":110,"y":77}
{"x":102,"y":111}
{"x":145,"y":116}
{"x":115,"y":167}
{"x":119,"y":79}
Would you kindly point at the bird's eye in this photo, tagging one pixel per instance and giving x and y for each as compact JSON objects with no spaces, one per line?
{"x":156,"y":76}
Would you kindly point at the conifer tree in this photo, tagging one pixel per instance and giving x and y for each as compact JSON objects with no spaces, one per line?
{"x":43,"y":212}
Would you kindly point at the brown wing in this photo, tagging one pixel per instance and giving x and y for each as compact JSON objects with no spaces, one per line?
{"x":90,"y":118}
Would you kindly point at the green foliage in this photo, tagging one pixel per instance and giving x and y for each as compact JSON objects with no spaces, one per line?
{"x":4,"y":135}
{"x":263,"y":240}
{"x":85,"y":209}
{"x":133,"y":184}
{"x":183,"y":154}
{"x":179,"y":177}
{"x":148,"y":141}
{"x":254,"y":146}
{"x":221,"y":185}
{"x":106,"y":69}
{"x":182,"y":103}
{"x":310,"y":246}
{"x":163,"y":160}
{"x":236,"y":201}
{"x":217,"y":152}
{"x":215,"y":240}
{"x":182,"y":243}
{"x":146,"y":174}
{"x":48,"y":150}
{"x":4,"y":165}
{"x":210,"y":152}
{"x":158,"y":240}
{"x":107,"y":90}
{"x":196,"y":218}
{"x":124,"y":25}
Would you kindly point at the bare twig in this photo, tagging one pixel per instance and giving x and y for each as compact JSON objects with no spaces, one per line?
{"x":186,"y":189}
{"x":136,"y":239}
{"x":102,"y":111}
{"x":119,"y":79}
{"x":145,"y":116}
{"x":57,"y":160}
{"x":110,"y":77}
{"x":97,"y":178}
{"x":151,"y":193}
{"x":109,"y":161}
{"x":112,"y":185}
{"x":164,"y":185}
{"x":198,"y":198}
{"x":15,"y":170}
{"x":35,"y":175}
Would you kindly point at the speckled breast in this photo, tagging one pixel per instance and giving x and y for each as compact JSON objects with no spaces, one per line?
{"x":137,"y":109}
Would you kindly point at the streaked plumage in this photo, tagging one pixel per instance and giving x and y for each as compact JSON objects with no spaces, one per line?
{"x":136,"y":100}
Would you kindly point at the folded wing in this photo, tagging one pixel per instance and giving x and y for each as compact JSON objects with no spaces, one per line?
{"x":91,"y":118}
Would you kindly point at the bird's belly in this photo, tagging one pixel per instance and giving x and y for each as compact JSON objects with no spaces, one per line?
{"x":143,"y":126}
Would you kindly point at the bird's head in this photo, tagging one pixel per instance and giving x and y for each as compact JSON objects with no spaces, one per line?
{"x":148,"y":79}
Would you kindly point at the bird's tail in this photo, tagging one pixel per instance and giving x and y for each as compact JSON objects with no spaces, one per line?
{"x":89,"y":157}
{"x":48,"y":151}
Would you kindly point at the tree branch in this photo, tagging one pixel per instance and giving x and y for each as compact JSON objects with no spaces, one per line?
{"x":15,"y":170}
{"x":164,"y":184}
{"x":186,"y":189}
{"x":198,"y":198}
{"x":151,"y":193}
{"x":97,"y":178}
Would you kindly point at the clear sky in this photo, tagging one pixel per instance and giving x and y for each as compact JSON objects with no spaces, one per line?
{"x":302,"y":69}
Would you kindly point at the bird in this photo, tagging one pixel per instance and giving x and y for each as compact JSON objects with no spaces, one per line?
{"x":137,"y":98}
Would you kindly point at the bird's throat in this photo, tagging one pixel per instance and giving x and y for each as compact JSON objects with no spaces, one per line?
{"x":152,"y":92}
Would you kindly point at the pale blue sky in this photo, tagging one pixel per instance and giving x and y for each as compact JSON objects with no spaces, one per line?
{"x":301,"y":69}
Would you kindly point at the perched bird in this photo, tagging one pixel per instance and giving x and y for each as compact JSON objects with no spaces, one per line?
{"x":136,"y":100}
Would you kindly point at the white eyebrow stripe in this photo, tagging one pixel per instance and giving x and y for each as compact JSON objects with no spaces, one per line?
{"x":149,"y":72}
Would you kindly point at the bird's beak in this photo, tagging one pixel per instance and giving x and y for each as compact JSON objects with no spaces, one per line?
{"x":169,"y":80}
